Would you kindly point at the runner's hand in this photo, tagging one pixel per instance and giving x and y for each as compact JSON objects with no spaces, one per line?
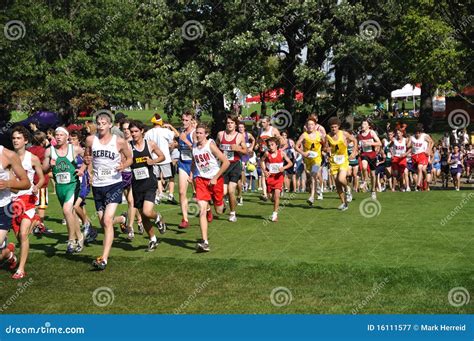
{"x":34,"y":190}
{"x":3,"y":184}
{"x":213,"y":182}
{"x":150,"y":161}
{"x":80,"y":172}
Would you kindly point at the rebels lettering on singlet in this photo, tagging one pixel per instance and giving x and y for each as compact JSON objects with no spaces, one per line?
{"x":104,"y":153}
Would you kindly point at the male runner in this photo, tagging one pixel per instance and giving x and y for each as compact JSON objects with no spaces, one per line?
{"x":232,"y":144}
{"x":369,"y":144}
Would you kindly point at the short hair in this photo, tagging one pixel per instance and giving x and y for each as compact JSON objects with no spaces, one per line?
{"x":273,"y":139}
{"x":187,"y":113}
{"x":38,"y":138}
{"x":419,"y":128}
{"x":23,"y":131}
{"x":76,"y":133}
{"x":312,"y":118}
{"x":334,"y":120}
{"x":104,"y":114}
{"x":50,"y":131}
{"x":136,"y":124}
{"x":124,"y":121}
{"x":203,"y":126}
{"x":233,"y":118}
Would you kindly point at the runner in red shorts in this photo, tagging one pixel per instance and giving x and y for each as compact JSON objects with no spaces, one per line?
{"x":24,"y":201}
{"x":272,"y":164}
{"x":209,"y":182}
{"x":400,"y":147}
{"x":421,"y":148}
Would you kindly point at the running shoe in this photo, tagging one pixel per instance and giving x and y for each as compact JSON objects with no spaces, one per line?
{"x":209,"y":216}
{"x":349,"y":197}
{"x":157,"y":200}
{"x":19,"y":274}
{"x":64,"y":222}
{"x":240,"y":201}
{"x":71,"y":246}
{"x":373,"y":196}
{"x":152,"y":244}
{"x":12,"y":262}
{"x":275,"y":217}
{"x":92,"y":235}
{"x":343,"y":207}
{"x":99,"y":263}
{"x":161,"y":225}
{"x":203,"y":247}
{"x":310,"y":201}
{"x":131,"y":234}
{"x":184,"y":224}
{"x":233,"y":218}
{"x":172,"y":200}
{"x":79,"y":245}
{"x":141,"y":229}
{"x":320,"y":196}
{"x":123,"y":226}
{"x":264,"y":198}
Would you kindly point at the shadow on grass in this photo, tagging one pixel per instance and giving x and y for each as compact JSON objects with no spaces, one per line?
{"x":183,"y":243}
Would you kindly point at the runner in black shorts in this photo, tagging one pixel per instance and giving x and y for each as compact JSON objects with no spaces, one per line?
{"x":232,"y":144}
{"x":144,"y":182}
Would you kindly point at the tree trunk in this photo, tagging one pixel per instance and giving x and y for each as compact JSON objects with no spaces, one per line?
{"x":218,"y":113}
{"x":426,"y":110}
{"x":263,"y":105}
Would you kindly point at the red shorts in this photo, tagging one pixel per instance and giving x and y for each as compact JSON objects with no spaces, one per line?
{"x":206,"y":192}
{"x":399,"y":164}
{"x":23,"y":207}
{"x":275,"y":181}
{"x":419,"y":159}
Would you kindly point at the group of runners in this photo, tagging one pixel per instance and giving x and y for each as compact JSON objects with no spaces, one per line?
{"x":124,"y":159}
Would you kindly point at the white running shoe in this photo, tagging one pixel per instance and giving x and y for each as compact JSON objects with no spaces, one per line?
{"x":232,"y":218}
{"x":374,"y":196}
{"x":349,"y":197}
{"x":275,"y":216}
{"x":343,"y":207}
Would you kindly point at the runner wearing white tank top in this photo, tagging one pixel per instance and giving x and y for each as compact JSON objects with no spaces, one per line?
{"x":9,"y":161}
{"x":109,"y":155}
{"x":210,"y":182}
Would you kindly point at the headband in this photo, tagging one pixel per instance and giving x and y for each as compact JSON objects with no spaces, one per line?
{"x":61,"y":129}
{"x":155,"y":121}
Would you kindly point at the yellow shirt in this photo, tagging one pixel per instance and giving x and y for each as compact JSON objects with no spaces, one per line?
{"x":338,"y":148}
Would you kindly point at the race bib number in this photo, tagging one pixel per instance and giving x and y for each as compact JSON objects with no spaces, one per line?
{"x":389,"y":155}
{"x":141,"y":173}
{"x":312,"y":155}
{"x":63,"y":178}
{"x":339,"y":159}
{"x":105,"y":173}
{"x":186,"y":155}
{"x":274,"y":168}
{"x":205,"y":169}
{"x":366,"y":147}
{"x":229,"y":155}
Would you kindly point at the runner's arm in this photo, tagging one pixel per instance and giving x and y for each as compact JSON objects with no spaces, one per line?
{"x":224,"y":162}
{"x":352,"y":139}
{"x":87,"y":156}
{"x":47,"y":161}
{"x":252,"y":143}
{"x":39,"y":171}
{"x":240,"y":146}
{"x":157,"y":151}
{"x":126,"y":153}
{"x":298,"y":146}
{"x":21,"y":181}
{"x":289,"y":163}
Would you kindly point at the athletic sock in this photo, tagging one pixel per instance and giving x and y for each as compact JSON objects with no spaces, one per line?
{"x":206,"y":241}
{"x":232,"y":213}
{"x":153,"y":239}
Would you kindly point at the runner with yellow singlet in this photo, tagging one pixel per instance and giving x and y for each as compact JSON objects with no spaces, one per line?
{"x":337,"y":142}
{"x":309,"y":146}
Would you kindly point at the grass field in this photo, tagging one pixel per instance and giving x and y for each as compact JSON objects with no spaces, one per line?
{"x":402,"y":260}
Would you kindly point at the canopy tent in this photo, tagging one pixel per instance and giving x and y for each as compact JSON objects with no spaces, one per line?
{"x":272,"y":96}
{"x":407,"y":91}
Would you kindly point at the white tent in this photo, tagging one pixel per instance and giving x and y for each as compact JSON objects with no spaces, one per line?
{"x":407,"y":91}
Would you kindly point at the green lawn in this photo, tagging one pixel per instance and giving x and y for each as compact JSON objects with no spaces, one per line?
{"x":401,"y":261}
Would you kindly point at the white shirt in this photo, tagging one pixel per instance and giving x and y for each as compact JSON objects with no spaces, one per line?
{"x":5,"y":194}
{"x":162,"y":137}
{"x":206,"y":162}
{"x":105,"y":160}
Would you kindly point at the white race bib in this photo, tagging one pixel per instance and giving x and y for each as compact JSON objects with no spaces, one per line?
{"x":141,"y":173}
{"x":274,"y":168}
{"x":229,"y":155}
{"x":186,"y":155}
{"x":63,"y":178}
{"x":105,"y":173}
{"x":366,"y":147}
{"x":339,"y":159}
{"x":312,"y":154}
